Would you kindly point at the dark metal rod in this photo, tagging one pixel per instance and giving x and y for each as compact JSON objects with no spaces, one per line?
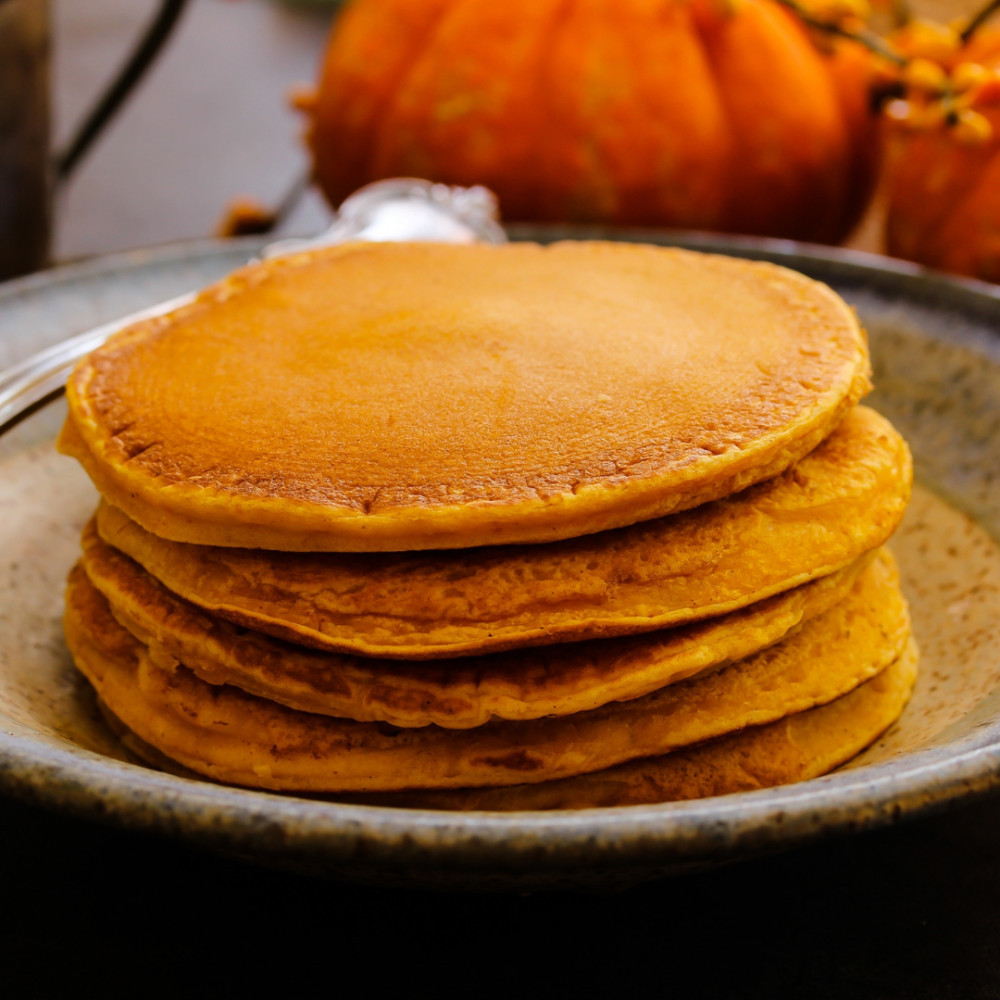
{"x":146,"y":51}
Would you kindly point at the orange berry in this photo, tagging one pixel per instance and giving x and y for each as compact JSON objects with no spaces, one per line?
{"x":927,"y":40}
{"x":972,"y":128}
{"x":968,"y":76}
{"x":884,"y":72}
{"x":837,"y":11}
{"x":922,"y":74}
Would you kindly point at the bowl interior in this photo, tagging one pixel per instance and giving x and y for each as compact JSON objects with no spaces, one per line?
{"x":937,"y":372}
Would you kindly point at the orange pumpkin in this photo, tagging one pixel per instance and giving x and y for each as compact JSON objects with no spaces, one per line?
{"x":943,"y":206}
{"x":692,"y":113}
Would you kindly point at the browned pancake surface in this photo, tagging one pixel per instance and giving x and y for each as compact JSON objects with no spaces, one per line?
{"x":231,"y":736}
{"x":840,"y":501}
{"x":412,"y":396}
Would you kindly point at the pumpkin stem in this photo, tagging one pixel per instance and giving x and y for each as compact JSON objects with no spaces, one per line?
{"x":979,"y":20}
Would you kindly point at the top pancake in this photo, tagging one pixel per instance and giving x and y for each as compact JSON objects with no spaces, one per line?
{"x":411,"y":396}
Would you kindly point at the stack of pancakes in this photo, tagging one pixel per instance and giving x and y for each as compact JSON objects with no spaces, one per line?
{"x":492,"y":527}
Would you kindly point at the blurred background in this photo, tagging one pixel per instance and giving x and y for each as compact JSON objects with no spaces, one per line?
{"x":212,"y":119}
{"x":209,"y":122}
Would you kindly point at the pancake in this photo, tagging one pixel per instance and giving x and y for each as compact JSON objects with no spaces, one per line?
{"x":234,"y":737}
{"x":840,"y":501}
{"x":461,"y":693}
{"x":394,"y":397}
{"x":796,"y":748}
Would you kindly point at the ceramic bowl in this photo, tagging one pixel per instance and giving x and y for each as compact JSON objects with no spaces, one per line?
{"x":936,"y":354}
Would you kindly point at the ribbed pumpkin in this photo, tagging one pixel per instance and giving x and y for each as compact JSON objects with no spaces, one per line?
{"x":692,"y":113}
{"x":944,"y":195}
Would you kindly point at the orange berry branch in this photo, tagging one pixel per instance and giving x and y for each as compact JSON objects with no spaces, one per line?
{"x":923,"y":81}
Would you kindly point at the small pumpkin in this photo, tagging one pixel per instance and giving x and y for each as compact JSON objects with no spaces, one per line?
{"x":691,"y":113}
{"x":943,"y":204}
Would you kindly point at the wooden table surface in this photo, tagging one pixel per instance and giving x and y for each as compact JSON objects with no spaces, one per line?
{"x":909,"y":912}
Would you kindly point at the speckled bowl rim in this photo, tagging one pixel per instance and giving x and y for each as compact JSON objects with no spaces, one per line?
{"x":268,"y":826}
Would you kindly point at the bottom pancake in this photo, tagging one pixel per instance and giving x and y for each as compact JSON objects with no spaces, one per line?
{"x":796,"y":748}
{"x":234,"y":737}
{"x":799,"y":747}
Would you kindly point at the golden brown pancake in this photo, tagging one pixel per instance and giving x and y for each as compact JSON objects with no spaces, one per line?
{"x":840,"y":501}
{"x":459,"y":694}
{"x":388,"y":397}
{"x":235,"y":737}
{"x":796,"y":748}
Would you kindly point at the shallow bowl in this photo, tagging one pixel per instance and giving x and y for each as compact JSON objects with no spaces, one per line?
{"x":936,"y":353}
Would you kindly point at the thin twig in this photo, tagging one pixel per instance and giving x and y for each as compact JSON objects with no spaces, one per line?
{"x":979,"y":20}
{"x":869,"y":39}
{"x":902,"y":13}
{"x":150,"y":44}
